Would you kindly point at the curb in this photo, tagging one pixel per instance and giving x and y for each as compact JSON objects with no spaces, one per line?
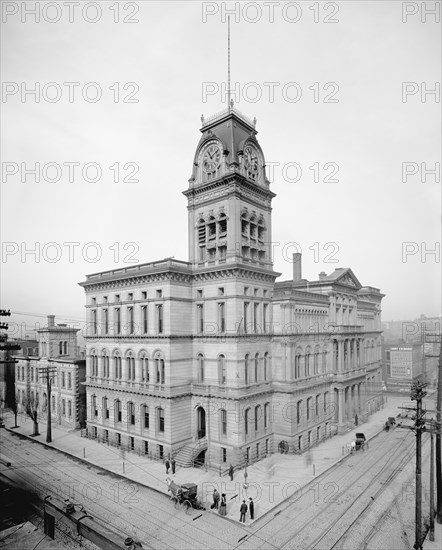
{"x":85,"y":461}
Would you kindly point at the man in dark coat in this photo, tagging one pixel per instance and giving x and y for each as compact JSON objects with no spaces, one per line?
{"x":215,"y":499}
{"x":167,"y":464}
{"x":251,"y":508}
{"x":243,"y":511}
{"x":173,"y":465}
{"x":231,"y":472}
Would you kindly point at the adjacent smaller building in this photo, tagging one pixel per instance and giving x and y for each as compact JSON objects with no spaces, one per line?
{"x":403,"y":364}
{"x":58,"y":359}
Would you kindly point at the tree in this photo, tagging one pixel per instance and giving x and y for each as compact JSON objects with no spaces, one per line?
{"x":32,"y":410}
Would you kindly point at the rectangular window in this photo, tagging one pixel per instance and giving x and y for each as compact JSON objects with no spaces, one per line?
{"x":32,"y":374}
{"x":104,"y":299}
{"x":118,"y":411}
{"x":106,"y":436}
{"x":264,"y":317}
{"x":69,"y":380}
{"x":257,"y":450}
{"x":117,"y":321}
{"x":161,"y":451}
{"x":130,"y":296}
{"x":256,"y":291}
{"x":146,"y":447}
{"x":159,"y":293}
{"x":317,"y":405}
{"x":106,"y":321}
{"x":160,"y":319}
{"x":221,"y":317}
{"x":94,"y":321}
{"x":118,"y":439}
{"x":246,"y":316}
{"x":132,"y":443}
{"x":94,"y":301}
{"x":63,"y":407}
{"x":309,"y":404}
{"x":130,"y":314}
{"x":199,"y":293}
{"x":255,"y":317}
{"x":117,"y":297}
{"x":146,"y":416}
{"x":69,"y":408}
{"x":298,"y":412}
{"x":221,"y":291}
{"x":144,"y":295}
{"x":224,"y":454}
{"x":223,"y":421}
{"x":63,"y":380}
{"x":248,"y":455}
{"x":200,"y":318}
{"x":144,"y":318}
{"x":246,"y":290}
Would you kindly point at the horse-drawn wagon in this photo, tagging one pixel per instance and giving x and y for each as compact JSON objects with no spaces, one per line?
{"x":184,"y":496}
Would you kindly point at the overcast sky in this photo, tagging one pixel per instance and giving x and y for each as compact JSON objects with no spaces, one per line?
{"x":348,"y":108}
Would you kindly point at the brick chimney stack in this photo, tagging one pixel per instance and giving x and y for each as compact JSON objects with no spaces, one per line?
{"x":297,"y":266}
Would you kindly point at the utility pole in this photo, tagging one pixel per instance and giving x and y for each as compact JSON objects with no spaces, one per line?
{"x":8,"y":374}
{"x":48,"y":373}
{"x":432,"y":482}
{"x":438,"y":439}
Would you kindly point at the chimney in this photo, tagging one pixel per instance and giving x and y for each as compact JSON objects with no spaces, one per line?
{"x":297,"y":267}
{"x":51,"y":321}
{"x":322,"y":275}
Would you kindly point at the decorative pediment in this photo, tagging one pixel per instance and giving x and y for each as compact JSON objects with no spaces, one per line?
{"x":348,"y":278}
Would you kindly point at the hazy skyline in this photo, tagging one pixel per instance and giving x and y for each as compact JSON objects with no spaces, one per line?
{"x":346,"y":117}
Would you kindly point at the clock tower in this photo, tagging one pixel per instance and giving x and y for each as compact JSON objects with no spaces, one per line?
{"x":229,"y":200}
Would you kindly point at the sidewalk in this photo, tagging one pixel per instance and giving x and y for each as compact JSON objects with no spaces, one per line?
{"x":271,"y":480}
{"x":437,"y":543}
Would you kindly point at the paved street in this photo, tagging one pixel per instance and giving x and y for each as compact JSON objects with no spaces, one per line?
{"x":334,"y":510}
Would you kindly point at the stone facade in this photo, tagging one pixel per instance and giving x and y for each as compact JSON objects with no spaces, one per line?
{"x":212,"y":359}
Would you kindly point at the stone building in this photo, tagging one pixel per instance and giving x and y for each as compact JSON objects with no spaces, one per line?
{"x":57,"y":354}
{"x":212,"y":359}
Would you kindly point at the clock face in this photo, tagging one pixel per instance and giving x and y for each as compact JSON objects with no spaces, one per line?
{"x":211,"y":158}
{"x":251,"y":160}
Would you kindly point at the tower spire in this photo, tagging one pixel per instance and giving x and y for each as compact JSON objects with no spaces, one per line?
{"x":228,"y":63}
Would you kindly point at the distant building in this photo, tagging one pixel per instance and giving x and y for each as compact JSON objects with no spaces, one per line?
{"x":403,"y":364}
{"x":57,"y":345}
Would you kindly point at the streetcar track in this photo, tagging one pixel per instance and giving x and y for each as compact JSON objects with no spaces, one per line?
{"x":144,"y":519}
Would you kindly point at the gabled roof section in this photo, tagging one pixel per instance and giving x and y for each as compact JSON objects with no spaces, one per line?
{"x":342,"y":276}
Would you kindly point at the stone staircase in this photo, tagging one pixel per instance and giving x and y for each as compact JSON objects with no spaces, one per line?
{"x":187,"y":454}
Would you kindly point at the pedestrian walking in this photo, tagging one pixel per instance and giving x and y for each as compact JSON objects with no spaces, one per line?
{"x":243,"y":511}
{"x":223,"y":506}
{"x":167,"y":464}
{"x":173,"y":463}
{"x":231,"y":472}
{"x":252,"y":508}
{"x":215,"y":499}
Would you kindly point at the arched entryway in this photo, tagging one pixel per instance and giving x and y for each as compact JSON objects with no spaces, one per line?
{"x":201,"y":422}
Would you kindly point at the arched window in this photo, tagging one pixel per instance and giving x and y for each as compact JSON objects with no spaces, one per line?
{"x":316,"y":361}
{"x":307,"y":362}
{"x":246,"y":369}
{"x":60,"y":346}
{"x":298,"y":365}
{"x":324,"y":360}
{"x":257,"y":416}
{"x":221,"y":369}
{"x":130,"y":366}
{"x":144,"y":366}
{"x":94,"y":363}
{"x":257,"y":367}
{"x":200,"y":361}
{"x":160,"y":370}
{"x":105,"y":361}
{"x":246,"y":421}
{"x":265,"y":365}
{"x":117,"y":367}
{"x":117,"y":410}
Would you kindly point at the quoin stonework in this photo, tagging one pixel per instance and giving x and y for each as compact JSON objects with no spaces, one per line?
{"x":214,"y":360}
